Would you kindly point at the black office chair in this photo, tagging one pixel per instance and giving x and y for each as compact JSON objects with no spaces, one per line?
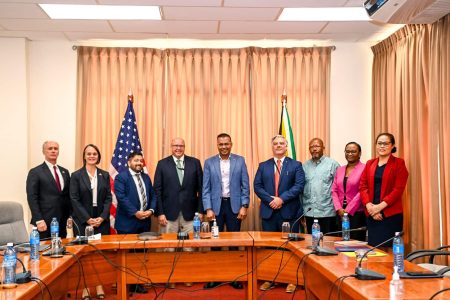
{"x":431,"y":254}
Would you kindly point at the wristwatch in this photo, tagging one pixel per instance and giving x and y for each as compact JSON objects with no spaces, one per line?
{"x":244,"y":205}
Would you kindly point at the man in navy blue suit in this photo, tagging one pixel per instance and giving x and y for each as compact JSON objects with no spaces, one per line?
{"x":226,"y":194}
{"x":279,"y":182}
{"x":136,"y":201}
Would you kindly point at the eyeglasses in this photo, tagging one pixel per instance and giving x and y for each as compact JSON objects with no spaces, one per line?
{"x":383,"y":144}
{"x":178,"y":146}
{"x":315,"y":146}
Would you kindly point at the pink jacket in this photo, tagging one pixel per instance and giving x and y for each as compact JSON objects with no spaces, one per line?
{"x":354,"y":203}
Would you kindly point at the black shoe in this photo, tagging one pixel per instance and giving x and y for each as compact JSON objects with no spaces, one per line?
{"x":237,"y":285}
{"x":138,"y":288}
{"x":211,"y":285}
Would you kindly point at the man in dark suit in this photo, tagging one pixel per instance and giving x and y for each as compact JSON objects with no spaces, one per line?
{"x":178,"y":188}
{"x":279,"y":182}
{"x":136,"y":202}
{"x":226,"y":193}
{"x":48,"y":192}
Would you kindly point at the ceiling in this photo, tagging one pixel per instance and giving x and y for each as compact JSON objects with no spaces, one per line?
{"x":189,"y":19}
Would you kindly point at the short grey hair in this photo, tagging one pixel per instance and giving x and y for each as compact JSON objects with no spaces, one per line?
{"x":279,"y":136}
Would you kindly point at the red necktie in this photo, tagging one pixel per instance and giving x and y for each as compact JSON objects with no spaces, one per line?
{"x":277,"y":176}
{"x":58,"y":183}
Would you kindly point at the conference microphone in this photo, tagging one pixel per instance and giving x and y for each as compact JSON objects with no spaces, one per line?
{"x":80,"y":239}
{"x":293,"y":236}
{"x":23,"y":277}
{"x":363,"y":274}
{"x":320,"y":251}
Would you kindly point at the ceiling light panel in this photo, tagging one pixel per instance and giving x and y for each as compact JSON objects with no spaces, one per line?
{"x":101,"y":12}
{"x":309,"y":14}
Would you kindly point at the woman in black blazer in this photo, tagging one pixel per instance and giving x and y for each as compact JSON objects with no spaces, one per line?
{"x":90,"y":194}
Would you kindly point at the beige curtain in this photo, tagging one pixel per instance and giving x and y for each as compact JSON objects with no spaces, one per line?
{"x":410,"y":89}
{"x":198,"y":93}
{"x":440,"y":111}
{"x":105,"y":76}
{"x":304,"y":73}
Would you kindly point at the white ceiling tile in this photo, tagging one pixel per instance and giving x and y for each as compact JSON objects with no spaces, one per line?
{"x":34,"y":35}
{"x":265,"y":36}
{"x":284,"y":3}
{"x":165,"y":26}
{"x":220,"y":13}
{"x":163,"y":2}
{"x":21,"y":11}
{"x":270,"y":27}
{"x":52,"y":1}
{"x":352,"y":27}
{"x":55,"y":25}
{"x":78,"y":36}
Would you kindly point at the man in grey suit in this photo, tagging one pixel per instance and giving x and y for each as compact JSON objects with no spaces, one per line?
{"x":226,"y":194}
{"x":48,"y":192}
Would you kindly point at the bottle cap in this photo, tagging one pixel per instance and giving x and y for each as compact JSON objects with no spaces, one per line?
{"x":316,"y":221}
{"x":345,"y":214}
{"x":395,"y":276}
{"x":9,"y":245}
{"x":34,"y":228}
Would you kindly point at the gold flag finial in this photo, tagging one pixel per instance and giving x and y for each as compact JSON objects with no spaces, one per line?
{"x":284,"y":97}
{"x":130,"y":96}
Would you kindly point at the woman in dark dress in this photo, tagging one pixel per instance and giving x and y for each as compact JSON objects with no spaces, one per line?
{"x":382,"y":184}
{"x":90,"y":194}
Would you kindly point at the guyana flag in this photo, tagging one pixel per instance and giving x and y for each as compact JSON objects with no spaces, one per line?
{"x":286,"y":129}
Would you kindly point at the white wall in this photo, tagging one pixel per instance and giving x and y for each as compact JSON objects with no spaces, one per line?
{"x":29,"y":112}
{"x":52,"y":100}
{"x":350,"y":99}
{"x":13,"y":119}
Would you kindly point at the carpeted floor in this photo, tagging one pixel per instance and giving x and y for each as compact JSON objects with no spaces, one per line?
{"x":197,"y":292}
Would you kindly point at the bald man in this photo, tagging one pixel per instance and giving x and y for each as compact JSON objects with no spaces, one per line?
{"x":48,"y":192}
{"x":178,"y":188}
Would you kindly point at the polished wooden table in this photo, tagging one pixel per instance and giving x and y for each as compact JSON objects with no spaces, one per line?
{"x":261,"y":256}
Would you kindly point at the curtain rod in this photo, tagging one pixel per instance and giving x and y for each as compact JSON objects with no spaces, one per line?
{"x":333,"y":48}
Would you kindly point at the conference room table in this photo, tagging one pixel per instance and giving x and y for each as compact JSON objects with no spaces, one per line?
{"x":123,"y":259}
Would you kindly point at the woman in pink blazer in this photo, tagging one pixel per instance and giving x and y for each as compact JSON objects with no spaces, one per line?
{"x":345,"y":191}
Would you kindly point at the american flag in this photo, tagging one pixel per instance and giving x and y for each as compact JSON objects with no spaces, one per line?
{"x":127,"y":142}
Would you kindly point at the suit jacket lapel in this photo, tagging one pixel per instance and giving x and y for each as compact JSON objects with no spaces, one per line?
{"x":187,"y":165}
{"x":85,"y":179}
{"x":216,"y":165}
{"x":134,"y":186}
{"x":284,"y":167}
{"x":232,"y":165}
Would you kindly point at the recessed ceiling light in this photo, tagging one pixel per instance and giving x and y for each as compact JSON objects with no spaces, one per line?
{"x":101,"y":12}
{"x":324,"y":14}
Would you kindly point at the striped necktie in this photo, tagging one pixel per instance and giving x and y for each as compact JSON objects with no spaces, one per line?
{"x":142,"y":191}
